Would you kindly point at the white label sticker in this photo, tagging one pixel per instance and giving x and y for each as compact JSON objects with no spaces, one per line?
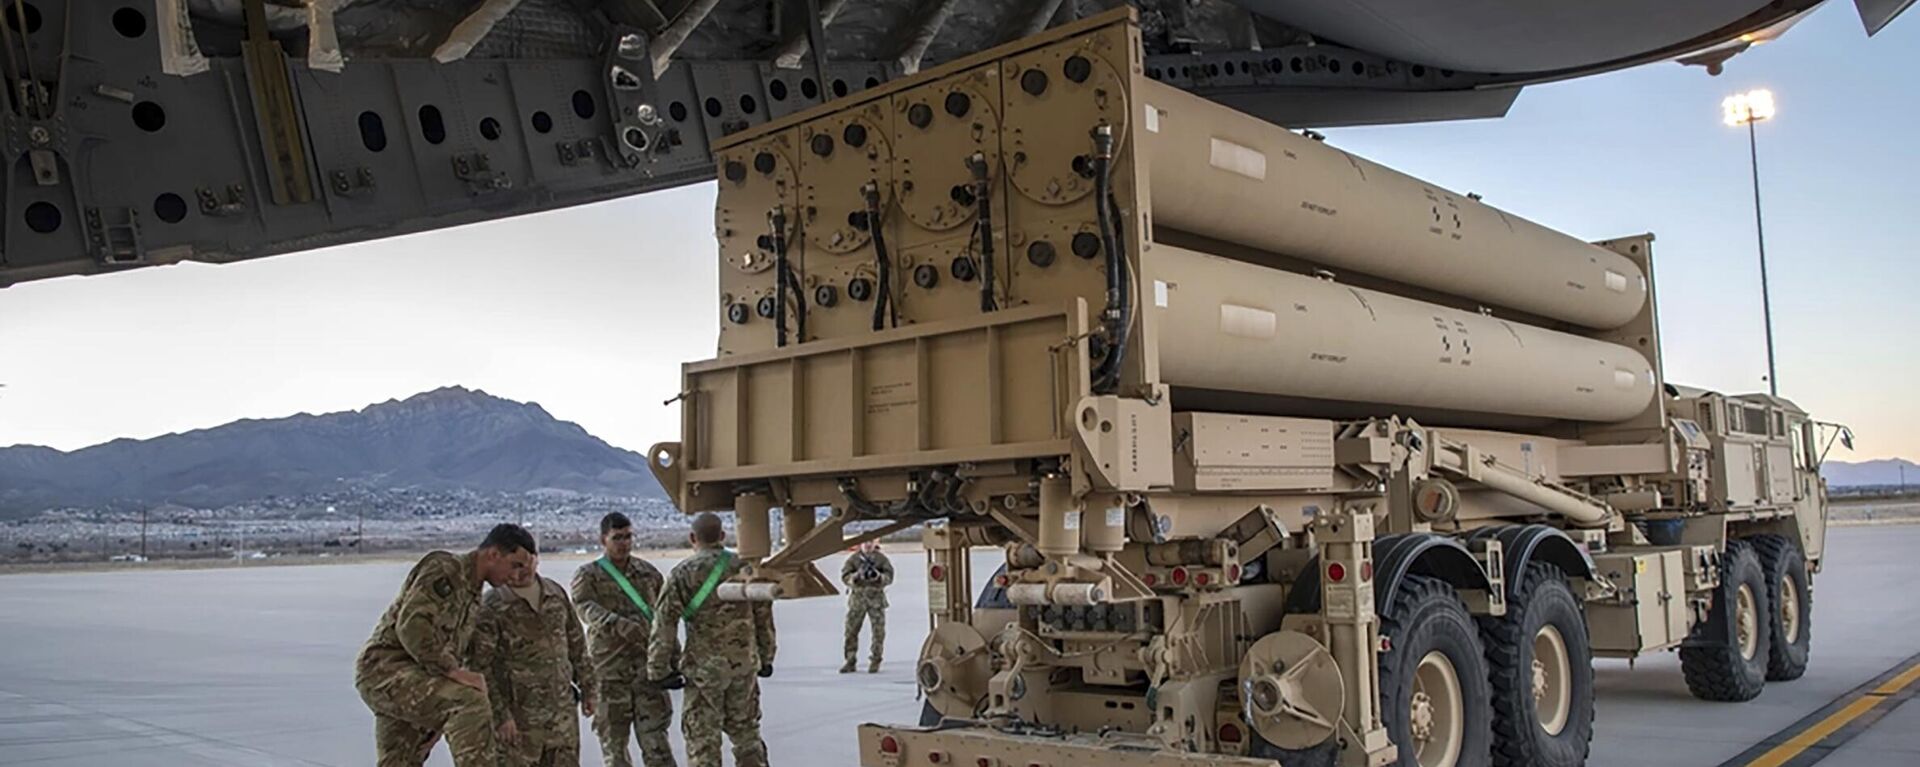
{"x":1072,"y":522}
{"x":1160,"y":293}
{"x":1616,"y":281}
{"x":1116,"y":516}
{"x":1153,"y":119}
{"x":1234,"y":158}
{"x":1624,"y":378}
{"x":1246,"y":321}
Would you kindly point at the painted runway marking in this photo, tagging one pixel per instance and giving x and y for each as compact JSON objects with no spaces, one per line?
{"x":1819,"y":734}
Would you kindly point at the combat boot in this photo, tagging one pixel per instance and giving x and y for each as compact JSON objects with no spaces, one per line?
{"x":847,"y":669}
{"x":872,"y":668}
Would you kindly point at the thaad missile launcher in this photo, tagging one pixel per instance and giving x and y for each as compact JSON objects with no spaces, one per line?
{"x":1291,"y":456}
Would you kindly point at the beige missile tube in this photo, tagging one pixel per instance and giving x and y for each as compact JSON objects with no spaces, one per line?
{"x":1232,"y":326}
{"x":1226,"y":175}
{"x":753,"y":525}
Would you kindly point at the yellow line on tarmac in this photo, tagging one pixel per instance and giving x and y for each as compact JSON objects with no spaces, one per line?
{"x":1895,"y":684}
{"x":1812,"y":736}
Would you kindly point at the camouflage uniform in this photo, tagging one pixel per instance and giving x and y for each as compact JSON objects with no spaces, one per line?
{"x":867,"y":576}
{"x":402,"y":670}
{"x":727,"y":643}
{"x":535,"y":659}
{"x":618,"y":634}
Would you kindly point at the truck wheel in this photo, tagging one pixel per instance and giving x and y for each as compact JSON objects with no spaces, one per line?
{"x":1789,"y":591}
{"x":1541,"y":666}
{"x":1434,"y":696}
{"x":1731,"y":664}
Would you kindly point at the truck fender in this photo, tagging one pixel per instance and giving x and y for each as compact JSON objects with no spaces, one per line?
{"x":1395,"y":557}
{"x":1525,"y":544}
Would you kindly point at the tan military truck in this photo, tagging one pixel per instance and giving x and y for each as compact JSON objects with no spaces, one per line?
{"x":1292,"y":457}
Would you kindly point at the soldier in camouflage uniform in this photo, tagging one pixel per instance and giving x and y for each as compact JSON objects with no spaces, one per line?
{"x":410,"y":673}
{"x":867,"y":574}
{"x":727,"y":643}
{"x":535,"y":656}
{"x":617,"y":630}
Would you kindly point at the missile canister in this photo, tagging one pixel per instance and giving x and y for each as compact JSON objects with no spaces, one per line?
{"x":1222,"y":174}
{"x":1228,"y":325}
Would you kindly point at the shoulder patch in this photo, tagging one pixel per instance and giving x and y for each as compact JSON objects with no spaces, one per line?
{"x":443,"y":587}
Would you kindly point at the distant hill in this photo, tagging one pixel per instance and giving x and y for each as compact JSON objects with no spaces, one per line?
{"x":450,"y":438}
{"x":1885,"y":471}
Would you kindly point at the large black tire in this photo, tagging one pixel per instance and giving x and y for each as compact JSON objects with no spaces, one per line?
{"x":1712,"y":660}
{"x":1427,"y":617}
{"x":1540,"y":601}
{"x":1790,"y":592}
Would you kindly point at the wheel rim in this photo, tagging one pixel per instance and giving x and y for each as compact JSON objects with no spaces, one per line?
{"x":1436,"y":716}
{"x":1790,"y":608}
{"x":1747,"y":621}
{"x":1552,"y":679}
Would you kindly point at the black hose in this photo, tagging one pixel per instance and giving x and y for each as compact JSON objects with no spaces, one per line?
{"x":799,"y":295}
{"x":911,"y":507}
{"x":983,"y":197}
{"x":883,"y":309}
{"x":1117,"y":319}
{"x":1122,"y":332}
{"x":778,"y":220}
{"x":954,"y":503}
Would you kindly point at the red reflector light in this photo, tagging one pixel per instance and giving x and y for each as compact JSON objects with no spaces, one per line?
{"x":889,"y":745}
{"x":1202,"y":579}
{"x":1366,"y":570}
{"x":934,"y":757}
{"x":937,"y":573}
{"x":1229,"y":733}
{"x":1233,"y":573}
{"x":983,"y":762}
{"x":1336,"y":572}
{"x":1150,"y":579}
{"x":1179,"y":576}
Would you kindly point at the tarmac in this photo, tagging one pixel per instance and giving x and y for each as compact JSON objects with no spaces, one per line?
{"x":253,"y":666}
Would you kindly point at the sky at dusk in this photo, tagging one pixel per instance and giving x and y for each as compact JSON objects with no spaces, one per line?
{"x":590,"y":311}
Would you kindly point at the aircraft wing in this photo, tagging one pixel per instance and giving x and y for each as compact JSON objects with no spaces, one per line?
{"x":146,"y":132}
{"x":1877,"y":14}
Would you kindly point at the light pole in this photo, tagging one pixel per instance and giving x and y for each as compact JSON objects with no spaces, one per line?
{"x":1746,"y":109}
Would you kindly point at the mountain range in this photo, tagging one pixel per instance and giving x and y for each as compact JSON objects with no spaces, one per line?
{"x":1883,"y":472}
{"x":448,"y":438}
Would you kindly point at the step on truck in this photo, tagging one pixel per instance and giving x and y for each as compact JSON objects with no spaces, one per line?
{"x":1292,"y":457}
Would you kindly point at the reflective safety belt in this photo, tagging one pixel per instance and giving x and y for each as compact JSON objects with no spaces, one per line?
{"x":633,"y":594}
{"x":713,"y":580}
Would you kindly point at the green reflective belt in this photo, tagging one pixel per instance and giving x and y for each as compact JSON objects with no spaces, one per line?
{"x":621,"y":578}
{"x":713,"y":580}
